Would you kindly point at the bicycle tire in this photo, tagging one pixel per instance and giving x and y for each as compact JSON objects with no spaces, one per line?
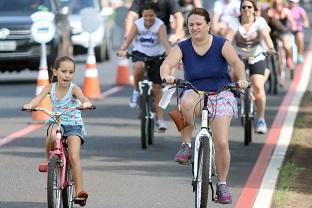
{"x":54,"y":191}
{"x":274,"y":73}
{"x":151,"y":120}
{"x":68,"y":193}
{"x":202,"y":179}
{"x":247,"y":117}
{"x":144,"y":118}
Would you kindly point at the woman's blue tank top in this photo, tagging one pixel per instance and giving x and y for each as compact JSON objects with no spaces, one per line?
{"x":208,"y":72}
{"x":71,"y":117}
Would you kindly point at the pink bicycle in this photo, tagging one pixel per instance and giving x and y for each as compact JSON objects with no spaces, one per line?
{"x":60,"y":185}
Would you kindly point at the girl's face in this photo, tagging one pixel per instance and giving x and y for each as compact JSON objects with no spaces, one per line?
{"x":65,"y":73}
{"x":149,"y":17}
{"x":247,"y":9}
{"x":197,"y":26}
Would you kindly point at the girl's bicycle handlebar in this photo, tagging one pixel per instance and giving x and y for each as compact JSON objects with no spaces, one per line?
{"x":57,"y":114}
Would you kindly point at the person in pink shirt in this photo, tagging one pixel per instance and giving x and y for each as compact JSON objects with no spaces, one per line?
{"x":302,"y":21}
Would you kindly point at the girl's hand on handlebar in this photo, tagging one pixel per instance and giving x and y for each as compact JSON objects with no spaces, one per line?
{"x":28,"y":106}
{"x":86,"y":105}
{"x":242,"y":84}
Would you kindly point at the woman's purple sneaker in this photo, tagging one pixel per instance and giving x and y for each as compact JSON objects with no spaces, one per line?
{"x":184,"y":154}
{"x":223,"y":194}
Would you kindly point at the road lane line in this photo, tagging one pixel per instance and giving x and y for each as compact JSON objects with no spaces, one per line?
{"x":258,"y":189}
{"x":20,"y":133}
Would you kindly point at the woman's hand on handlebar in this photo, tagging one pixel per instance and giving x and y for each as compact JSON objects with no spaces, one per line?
{"x":242,"y":84}
{"x":122,"y":53}
{"x":168,"y":79}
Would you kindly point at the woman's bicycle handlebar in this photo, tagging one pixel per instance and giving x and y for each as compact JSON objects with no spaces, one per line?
{"x":130,"y":55}
{"x":51,"y":114}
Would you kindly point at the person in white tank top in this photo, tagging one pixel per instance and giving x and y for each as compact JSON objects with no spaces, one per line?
{"x":150,"y":39}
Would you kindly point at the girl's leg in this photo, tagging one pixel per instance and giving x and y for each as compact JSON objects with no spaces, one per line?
{"x":49,"y":144}
{"x":74,"y":158}
{"x":220,"y":128}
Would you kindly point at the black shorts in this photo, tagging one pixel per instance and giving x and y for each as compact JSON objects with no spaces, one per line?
{"x":256,"y":68}
{"x":154,"y":70}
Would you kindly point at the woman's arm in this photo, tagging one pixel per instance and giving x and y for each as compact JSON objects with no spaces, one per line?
{"x":164,"y":38}
{"x":36,"y":101}
{"x":235,"y":63}
{"x":167,"y":69}
{"x":265,"y":33}
{"x":305,"y":19}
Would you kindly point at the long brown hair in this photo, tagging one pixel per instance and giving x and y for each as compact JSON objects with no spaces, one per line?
{"x":57,"y":64}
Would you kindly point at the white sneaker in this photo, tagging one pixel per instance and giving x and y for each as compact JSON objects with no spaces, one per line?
{"x":134,"y":98}
{"x":161,"y":125}
{"x":261,"y":127}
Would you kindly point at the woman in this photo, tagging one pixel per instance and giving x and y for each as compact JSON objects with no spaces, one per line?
{"x":206,"y":58}
{"x":250,"y":32}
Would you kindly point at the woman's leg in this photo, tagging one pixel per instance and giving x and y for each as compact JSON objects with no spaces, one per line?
{"x":74,"y":144}
{"x":220,"y":128}
{"x":257,"y":81}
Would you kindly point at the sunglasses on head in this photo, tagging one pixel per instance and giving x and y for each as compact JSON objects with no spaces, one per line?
{"x":244,"y":7}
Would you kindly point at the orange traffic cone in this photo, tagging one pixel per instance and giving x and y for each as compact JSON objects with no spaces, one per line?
{"x":91,"y":84}
{"x":123,"y":75}
{"x":42,"y":81}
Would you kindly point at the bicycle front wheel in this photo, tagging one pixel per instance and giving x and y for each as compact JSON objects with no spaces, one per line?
{"x":144,"y":118}
{"x":151,"y":120}
{"x":202,"y":178}
{"x":54,"y":190}
{"x":247,"y":117}
{"x":69,"y":191}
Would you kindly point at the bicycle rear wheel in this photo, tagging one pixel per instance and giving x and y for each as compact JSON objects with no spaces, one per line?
{"x":247,"y":117}
{"x":69,"y":190}
{"x":144,"y":118}
{"x":202,"y":178}
{"x":54,"y":190}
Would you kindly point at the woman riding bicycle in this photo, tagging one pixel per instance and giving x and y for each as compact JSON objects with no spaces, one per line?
{"x":206,"y":58}
{"x":150,"y":40}
{"x":251,"y":29}
{"x":65,"y":94}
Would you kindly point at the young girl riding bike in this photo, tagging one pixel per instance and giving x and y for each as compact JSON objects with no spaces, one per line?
{"x":65,"y":94}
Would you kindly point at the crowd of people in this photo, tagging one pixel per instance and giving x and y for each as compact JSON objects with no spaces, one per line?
{"x":214,"y":52}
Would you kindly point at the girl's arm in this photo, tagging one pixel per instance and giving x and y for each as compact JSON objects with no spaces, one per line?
{"x":36,"y":100}
{"x":133,"y":32}
{"x":167,"y":68}
{"x":77,"y":92}
{"x":235,"y":63}
{"x":164,"y":38}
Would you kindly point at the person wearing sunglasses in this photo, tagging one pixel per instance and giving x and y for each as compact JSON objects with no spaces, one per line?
{"x":252,"y":30}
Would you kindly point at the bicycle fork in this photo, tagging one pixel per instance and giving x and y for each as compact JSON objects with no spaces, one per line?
{"x":145,"y":84}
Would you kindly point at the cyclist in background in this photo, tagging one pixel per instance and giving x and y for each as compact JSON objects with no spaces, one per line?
{"x":280,"y":12}
{"x":225,"y":12}
{"x":166,"y":9}
{"x":251,"y":30}
{"x":65,"y":94}
{"x":151,"y":40}
{"x":206,"y":57}
{"x":302,"y":20}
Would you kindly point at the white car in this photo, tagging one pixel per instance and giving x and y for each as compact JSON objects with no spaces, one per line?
{"x":100,"y":38}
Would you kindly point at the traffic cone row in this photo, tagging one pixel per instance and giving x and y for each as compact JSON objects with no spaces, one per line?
{"x":91,"y":84}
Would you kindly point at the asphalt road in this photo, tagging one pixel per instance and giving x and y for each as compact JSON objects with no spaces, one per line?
{"x":117,"y":173}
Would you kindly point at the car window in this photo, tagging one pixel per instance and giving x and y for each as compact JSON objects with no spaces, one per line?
{"x":76,"y":5}
{"x":22,"y":6}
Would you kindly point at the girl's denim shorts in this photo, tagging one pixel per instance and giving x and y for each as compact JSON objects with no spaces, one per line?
{"x":70,"y":130}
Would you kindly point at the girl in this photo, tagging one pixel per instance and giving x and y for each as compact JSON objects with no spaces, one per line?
{"x":65,"y":94}
{"x":151,"y":39}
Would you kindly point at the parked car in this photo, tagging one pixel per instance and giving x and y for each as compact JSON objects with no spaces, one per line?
{"x":101,"y":38}
{"x":18,"y":50}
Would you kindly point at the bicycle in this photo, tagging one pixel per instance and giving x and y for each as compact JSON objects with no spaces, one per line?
{"x":60,"y":185}
{"x":273,"y":78}
{"x":147,"y":107}
{"x":203,"y":165}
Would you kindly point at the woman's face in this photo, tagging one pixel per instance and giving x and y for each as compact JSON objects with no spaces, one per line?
{"x":149,"y":17}
{"x":247,"y":9}
{"x":197,"y":26}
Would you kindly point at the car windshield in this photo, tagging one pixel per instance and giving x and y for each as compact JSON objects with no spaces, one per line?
{"x":24,"y":6}
{"x":76,"y":5}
